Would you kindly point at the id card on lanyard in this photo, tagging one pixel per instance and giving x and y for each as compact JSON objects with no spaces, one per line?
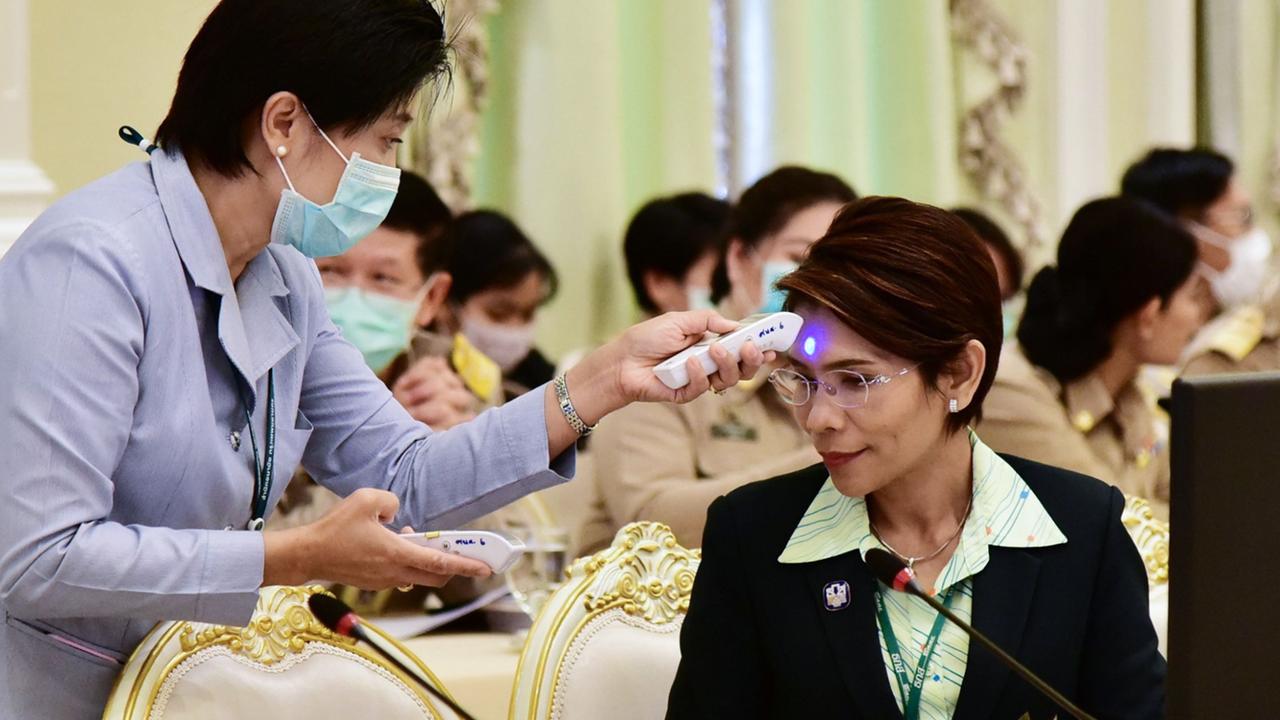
{"x":910,"y":685}
{"x":264,"y":472}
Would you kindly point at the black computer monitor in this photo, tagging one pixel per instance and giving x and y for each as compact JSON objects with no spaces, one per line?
{"x":1224,"y":569}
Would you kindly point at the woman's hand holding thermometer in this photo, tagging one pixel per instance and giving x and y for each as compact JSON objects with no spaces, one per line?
{"x":767,"y":332}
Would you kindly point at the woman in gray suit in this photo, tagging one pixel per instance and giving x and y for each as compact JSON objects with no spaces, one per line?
{"x":167,"y":360}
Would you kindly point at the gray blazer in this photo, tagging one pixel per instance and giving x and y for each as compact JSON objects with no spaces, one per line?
{"x":122,"y":498}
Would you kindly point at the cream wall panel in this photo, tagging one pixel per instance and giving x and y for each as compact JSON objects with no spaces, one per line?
{"x":96,"y":66}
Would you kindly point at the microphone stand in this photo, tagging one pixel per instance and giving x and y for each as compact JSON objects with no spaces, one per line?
{"x":360,"y":634}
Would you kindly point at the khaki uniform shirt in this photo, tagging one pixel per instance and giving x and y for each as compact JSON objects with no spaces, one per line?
{"x":1079,"y":427}
{"x":1244,"y":339}
{"x":667,"y":463}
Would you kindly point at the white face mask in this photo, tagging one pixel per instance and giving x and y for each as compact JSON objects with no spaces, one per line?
{"x":503,"y":344}
{"x":1243,"y":280}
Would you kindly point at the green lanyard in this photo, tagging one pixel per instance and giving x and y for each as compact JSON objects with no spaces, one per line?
{"x":909,"y":686}
{"x":264,"y":473}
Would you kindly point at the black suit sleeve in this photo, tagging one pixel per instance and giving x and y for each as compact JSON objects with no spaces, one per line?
{"x":1122,"y":673}
{"x":722,"y":671}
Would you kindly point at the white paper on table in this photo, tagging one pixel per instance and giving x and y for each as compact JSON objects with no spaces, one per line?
{"x":405,"y":627}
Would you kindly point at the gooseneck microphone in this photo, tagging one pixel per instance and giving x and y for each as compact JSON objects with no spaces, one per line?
{"x":893,"y":572}
{"x":335,"y":615}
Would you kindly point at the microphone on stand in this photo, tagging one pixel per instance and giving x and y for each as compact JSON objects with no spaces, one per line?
{"x":341,"y":619}
{"x":893,"y":572}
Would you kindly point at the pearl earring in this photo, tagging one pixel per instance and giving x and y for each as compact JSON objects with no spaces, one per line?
{"x":954,"y":405}
{"x":282,"y":151}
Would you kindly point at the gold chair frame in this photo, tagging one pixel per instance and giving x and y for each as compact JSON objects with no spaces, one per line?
{"x":282,"y":626}
{"x":644,"y":574}
{"x":1151,"y":535}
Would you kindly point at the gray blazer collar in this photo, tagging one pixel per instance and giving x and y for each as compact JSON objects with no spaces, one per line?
{"x":252,"y":330}
{"x":195,"y":235}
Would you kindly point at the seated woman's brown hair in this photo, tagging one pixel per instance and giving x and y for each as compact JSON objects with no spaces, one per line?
{"x":910,"y":278}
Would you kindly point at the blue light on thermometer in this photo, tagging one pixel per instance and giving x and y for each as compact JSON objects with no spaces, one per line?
{"x":810,"y":346}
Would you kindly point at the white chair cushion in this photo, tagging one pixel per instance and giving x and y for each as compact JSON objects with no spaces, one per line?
{"x":618,"y":667}
{"x":320,"y":682}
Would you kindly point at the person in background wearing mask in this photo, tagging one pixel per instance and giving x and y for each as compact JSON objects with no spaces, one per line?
{"x":1008,"y":262}
{"x":1123,"y":294}
{"x":383,"y":291}
{"x":1200,"y":188}
{"x":789,"y":209}
{"x":378,"y":292}
{"x":668,"y":463}
{"x":671,"y":247}
{"x":500,"y":281}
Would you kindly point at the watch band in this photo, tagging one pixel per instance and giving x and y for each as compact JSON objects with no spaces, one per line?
{"x":566,"y":407}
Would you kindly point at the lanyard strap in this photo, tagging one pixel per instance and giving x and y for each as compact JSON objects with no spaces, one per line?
{"x":264,"y":473}
{"x":910,"y":686}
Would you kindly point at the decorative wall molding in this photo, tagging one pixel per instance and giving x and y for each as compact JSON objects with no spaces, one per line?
{"x":984,"y":155}
{"x":445,"y":142}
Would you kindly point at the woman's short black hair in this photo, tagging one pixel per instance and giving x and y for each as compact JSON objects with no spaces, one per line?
{"x":767,"y":206}
{"x":418,"y":210}
{"x":668,"y":235}
{"x":1180,"y":182}
{"x":349,"y":62}
{"x":991,"y":234}
{"x":491,"y":252}
{"x":1115,"y":256}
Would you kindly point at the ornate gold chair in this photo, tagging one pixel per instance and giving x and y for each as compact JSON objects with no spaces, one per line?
{"x":606,"y":644}
{"x":1152,"y":538}
{"x":283,"y":665}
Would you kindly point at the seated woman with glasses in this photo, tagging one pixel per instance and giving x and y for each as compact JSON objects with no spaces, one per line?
{"x":900,"y":345}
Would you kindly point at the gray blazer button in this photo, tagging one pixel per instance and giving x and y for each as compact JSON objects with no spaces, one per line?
{"x":235,"y":440}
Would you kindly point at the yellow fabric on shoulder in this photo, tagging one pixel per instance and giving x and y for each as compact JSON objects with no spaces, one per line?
{"x":481,"y":375}
{"x":1235,"y":334}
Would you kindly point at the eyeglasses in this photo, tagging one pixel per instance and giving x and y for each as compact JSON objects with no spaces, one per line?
{"x":846,"y":388}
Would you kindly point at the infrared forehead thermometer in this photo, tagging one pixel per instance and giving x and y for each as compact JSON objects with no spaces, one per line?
{"x":770,"y":331}
{"x":496,"y":550}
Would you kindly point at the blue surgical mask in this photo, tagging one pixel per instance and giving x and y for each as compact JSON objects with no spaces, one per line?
{"x":359,"y":205}
{"x":771,"y":272}
{"x":378,"y":325}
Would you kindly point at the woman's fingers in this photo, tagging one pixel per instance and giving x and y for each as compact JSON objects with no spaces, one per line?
{"x":751,"y":360}
{"x":727,"y":373}
{"x":699,"y":381}
{"x":422,"y":559}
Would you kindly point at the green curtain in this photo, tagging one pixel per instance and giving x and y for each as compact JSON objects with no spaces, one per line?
{"x":867,"y":89}
{"x":594,"y":108}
